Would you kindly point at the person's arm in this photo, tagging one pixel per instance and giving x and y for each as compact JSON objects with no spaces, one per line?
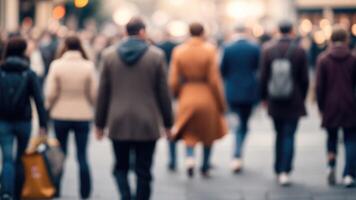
{"x":174,"y":79}
{"x":103,"y":101}
{"x":51,"y":89}
{"x":215,"y":81}
{"x":163,"y":95}
{"x":304,"y":73}
{"x":320,"y":83}
{"x":264,"y":74}
{"x":224,"y":64}
{"x":92,"y":86}
{"x":37,"y":96}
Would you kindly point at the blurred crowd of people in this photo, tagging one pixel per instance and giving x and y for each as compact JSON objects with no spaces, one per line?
{"x":131,"y":99}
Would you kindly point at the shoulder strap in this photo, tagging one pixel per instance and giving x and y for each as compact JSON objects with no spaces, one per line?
{"x":292,"y":46}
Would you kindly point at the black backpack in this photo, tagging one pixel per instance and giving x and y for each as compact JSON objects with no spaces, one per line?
{"x":13,"y":87}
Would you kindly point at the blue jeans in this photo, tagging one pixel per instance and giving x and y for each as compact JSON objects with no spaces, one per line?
{"x":350,"y":148}
{"x":12,"y":178}
{"x":81,"y":131}
{"x":172,"y":146}
{"x":243,"y":111}
{"x":206,"y":156}
{"x":143,"y":152}
{"x":284,"y":147}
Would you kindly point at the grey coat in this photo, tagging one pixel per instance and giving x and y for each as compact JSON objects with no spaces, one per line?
{"x":133,"y":100}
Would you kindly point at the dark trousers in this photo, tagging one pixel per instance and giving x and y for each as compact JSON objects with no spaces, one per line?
{"x":172,"y":146}
{"x":350,"y":148}
{"x":81,"y":133}
{"x":12,"y":176}
{"x":243,"y":111}
{"x":284,"y":147}
{"x":143,"y":152}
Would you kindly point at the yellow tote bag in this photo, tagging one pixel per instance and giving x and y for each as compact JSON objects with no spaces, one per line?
{"x":38,"y":184}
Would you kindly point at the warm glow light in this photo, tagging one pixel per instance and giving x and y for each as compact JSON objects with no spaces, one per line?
{"x":58,"y":12}
{"x":81,"y":3}
{"x":257,"y":30}
{"x":177,"y":28}
{"x":327,"y":31}
{"x":324,"y":23}
{"x":244,"y":9}
{"x":353,"y":29}
{"x":305,"y":26}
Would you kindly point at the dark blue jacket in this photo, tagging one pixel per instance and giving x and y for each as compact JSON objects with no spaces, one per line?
{"x":239,"y":67}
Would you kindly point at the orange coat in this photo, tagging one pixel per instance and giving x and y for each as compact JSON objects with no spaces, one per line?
{"x":195,"y":81}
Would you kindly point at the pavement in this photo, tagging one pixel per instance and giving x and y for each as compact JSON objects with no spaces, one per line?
{"x":257,"y":182}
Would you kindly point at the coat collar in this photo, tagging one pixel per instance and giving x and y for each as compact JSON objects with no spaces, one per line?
{"x":72,"y":55}
{"x":195,"y":40}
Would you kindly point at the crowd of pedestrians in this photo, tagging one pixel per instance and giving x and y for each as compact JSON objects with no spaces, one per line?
{"x":182,"y":91}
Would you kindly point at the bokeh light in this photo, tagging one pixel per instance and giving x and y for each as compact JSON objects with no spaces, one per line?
{"x":58,"y":12}
{"x":305,"y":26}
{"x":81,"y":3}
{"x":177,"y":28}
{"x":353,"y":29}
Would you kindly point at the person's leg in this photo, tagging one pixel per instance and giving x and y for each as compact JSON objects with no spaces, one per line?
{"x":8,"y":164}
{"x":244,"y":112}
{"x":121,"y":167}
{"x":278,"y":126}
{"x":22,"y":131}
{"x":81,"y":133}
{"x":206,"y":159}
{"x":172,"y":145}
{"x":190,"y":163}
{"x":288,"y":145}
{"x":144,"y":157}
{"x":332,"y":140}
{"x":350,"y":152}
{"x":61,"y":129}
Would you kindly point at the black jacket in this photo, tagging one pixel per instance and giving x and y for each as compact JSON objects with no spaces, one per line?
{"x":23,"y":111}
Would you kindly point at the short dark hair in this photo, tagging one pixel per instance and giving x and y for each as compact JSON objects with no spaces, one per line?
{"x":285,"y":27}
{"x":15,"y":46}
{"x":196,"y":29}
{"x":339,"y":34}
{"x":135,"y":25}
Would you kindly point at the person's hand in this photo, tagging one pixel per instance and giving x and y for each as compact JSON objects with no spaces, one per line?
{"x":99,"y":133}
{"x":169,"y":134}
{"x":42,"y":132}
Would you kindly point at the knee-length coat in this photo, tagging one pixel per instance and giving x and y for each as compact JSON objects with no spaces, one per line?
{"x":195,"y":81}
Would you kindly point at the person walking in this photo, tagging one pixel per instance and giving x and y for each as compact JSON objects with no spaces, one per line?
{"x":134,"y":101}
{"x":167,"y":45}
{"x":239,"y":66}
{"x":18,"y":85}
{"x":284,"y":86}
{"x":72,"y":84}
{"x":195,"y":81}
{"x":336,"y":97}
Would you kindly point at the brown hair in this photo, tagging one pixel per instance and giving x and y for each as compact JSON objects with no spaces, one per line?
{"x":134,"y":26}
{"x":15,"y":46}
{"x":73,"y":43}
{"x":339,"y":34}
{"x":196,"y":29}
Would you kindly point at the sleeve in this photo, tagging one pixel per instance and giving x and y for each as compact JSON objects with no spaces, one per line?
{"x":37,"y":96}
{"x":92,"y":86}
{"x":320,"y":84}
{"x":163,"y":95}
{"x":52,"y":88}
{"x":264,"y":73}
{"x":304,"y":73}
{"x":103,"y":100}
{"x":174,"y":75}
{"x":223,"y":64}
{"x":215,"y":81}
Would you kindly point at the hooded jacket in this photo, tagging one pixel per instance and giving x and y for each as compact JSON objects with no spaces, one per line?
{"x":131,"y":50}
{"x":32,"y":89}
{"x":335,"y":87}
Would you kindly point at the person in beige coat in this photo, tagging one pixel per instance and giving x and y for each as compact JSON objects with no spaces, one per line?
{"x":70,"y":93}
{"x":195,"y":81}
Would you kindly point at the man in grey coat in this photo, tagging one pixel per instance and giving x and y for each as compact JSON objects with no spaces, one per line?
{"x":133,"y":101}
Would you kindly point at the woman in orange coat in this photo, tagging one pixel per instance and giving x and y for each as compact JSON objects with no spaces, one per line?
{"x":196,"y":83}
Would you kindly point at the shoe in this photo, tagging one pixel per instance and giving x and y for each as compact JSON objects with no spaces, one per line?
{"x":190,"y":164}
{"x":172,"y":167}
{"x":284,"y":179}
{"x":331,"y":176}
{"x":236,"y":166}
{"x":349,"y":181}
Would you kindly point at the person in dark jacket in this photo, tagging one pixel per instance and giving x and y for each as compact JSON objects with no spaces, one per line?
{"x":18,"y":85}
{"x":287,"y":110}
{"x":133,"y":100}
{"x":239,"y":67}
{"x":167,"y":46}
{"x":336,"y":96}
